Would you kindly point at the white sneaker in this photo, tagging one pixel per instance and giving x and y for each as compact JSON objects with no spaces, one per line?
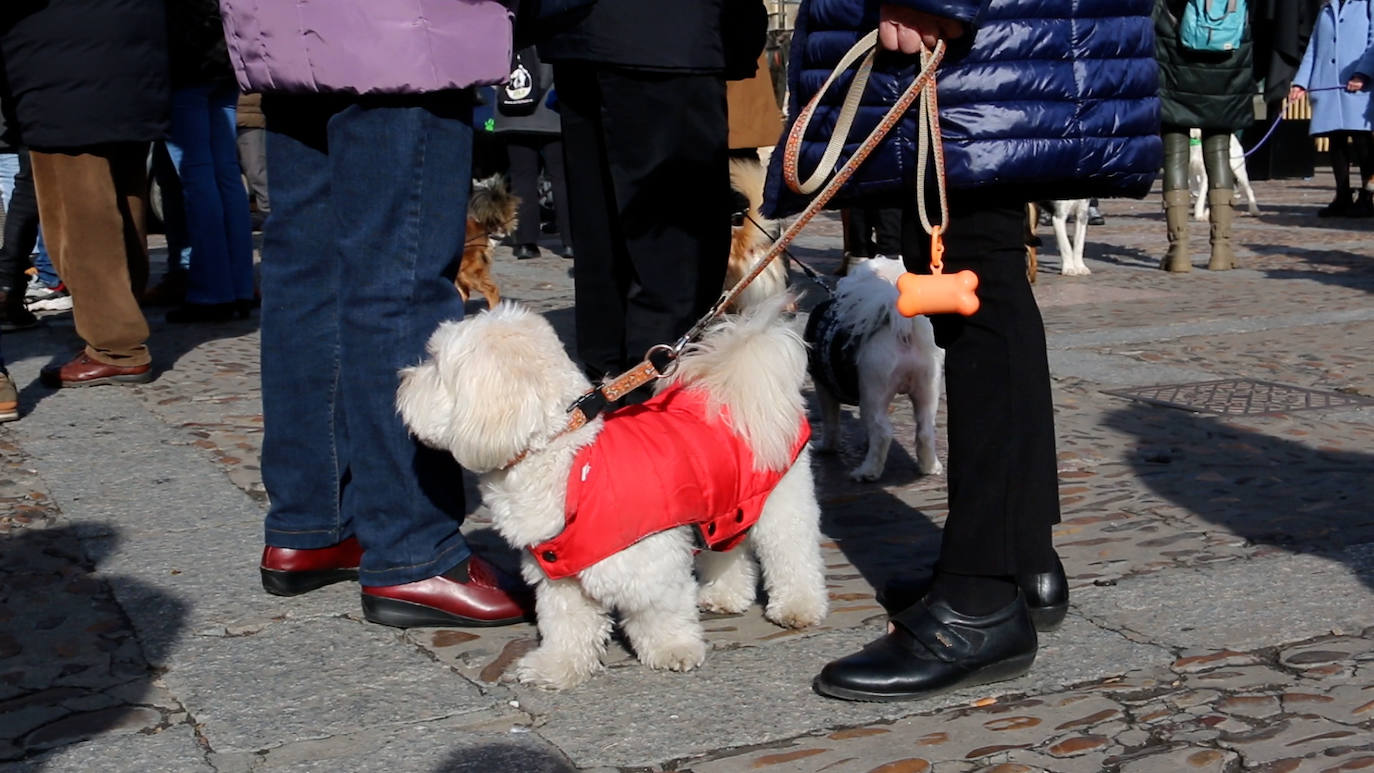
{"x":35,"y":289}
{"x":59,"y":302}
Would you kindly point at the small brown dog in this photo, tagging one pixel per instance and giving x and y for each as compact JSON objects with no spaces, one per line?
{"x":491,"y":216}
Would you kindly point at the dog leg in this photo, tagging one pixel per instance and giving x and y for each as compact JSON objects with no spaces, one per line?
{"x":828,"y":439}
{"x":1080,"y":232}
{"x":492,"y":294}
{"x":666,"y":631}
{"x":873,"y":413}
{"x":728,"y":580}
{"x":573,"y":631}
{"x":925,"y":405}
{"x":787,"y":541}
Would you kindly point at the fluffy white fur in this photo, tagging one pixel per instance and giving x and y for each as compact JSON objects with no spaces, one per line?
{"x":1070,"y":250}
{"x":1197,"y":176}
{"x":898,"y":356}
{"x":499,"y":384}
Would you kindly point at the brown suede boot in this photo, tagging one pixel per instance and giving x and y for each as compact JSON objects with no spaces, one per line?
{"x":1223,"y":257}
{"x":1176,"y":216}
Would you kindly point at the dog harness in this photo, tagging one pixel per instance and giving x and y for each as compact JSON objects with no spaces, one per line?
{"x":834,"y":348}
{"x":664,"y":463}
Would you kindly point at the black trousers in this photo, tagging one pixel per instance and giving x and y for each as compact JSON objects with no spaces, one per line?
{"x":871,"y":231}
{"x":21,"y":233}
{"x":1002,"y":470}
{"x":649,"y":196}
{"x":525,"y":152}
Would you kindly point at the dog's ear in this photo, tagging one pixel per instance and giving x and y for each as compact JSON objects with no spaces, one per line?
{"x":492,"y":385}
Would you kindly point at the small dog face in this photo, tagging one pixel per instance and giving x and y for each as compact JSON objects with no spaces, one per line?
{"x":493,"y":207}
{"x":493,"y":386}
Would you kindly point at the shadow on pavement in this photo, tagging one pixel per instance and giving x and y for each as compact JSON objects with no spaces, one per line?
{"x":71,"y":666}
{"x":1268,"y":490}
{"x":492,"y":758}
{"x":1342,"y":268}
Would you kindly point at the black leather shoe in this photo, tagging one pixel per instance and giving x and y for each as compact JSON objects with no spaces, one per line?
{"x":932,"y":649}
{"x":1047,"y":595}
{"x":525,"y":251}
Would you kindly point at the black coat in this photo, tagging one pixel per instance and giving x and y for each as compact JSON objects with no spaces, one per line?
{"x":85,"y":72}
{"x":695,"y":36}
{"x":1200,"y":90}
{"x":195,"y":42}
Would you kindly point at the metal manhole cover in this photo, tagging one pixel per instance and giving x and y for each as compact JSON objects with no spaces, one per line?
{"x":1240,"y":397}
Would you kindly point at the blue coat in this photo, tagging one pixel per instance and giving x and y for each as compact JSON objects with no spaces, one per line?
{"x":1340,"y":46}
{"x":1043,"y":99}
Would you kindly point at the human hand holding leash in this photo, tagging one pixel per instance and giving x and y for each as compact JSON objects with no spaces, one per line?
{"x":1357,"y":82}
{"x":904,"y":29}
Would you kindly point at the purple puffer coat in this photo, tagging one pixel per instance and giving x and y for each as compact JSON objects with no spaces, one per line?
{"x":367,"y":46}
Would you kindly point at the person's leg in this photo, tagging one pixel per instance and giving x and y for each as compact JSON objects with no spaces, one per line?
{"x":207,"y":282}
{"x":887,"y":231}
{"x":91,"y":204}
{"x":1002,"y":475}
{"x":238,"y":228}
{"x":552,"y":153}
{"x":601,"y":273}
{"x":400,"y":171}
{"x":21,"y":232}
{"x":524,"y":183}
{"x":973,"y":626}
{"x":9,"y":167}
{"x":1221,"y":183}
{"x":1177,"y":259}
{"x":666,"y":141}
{"x":304,"y":442}
{"x":251,"y":143}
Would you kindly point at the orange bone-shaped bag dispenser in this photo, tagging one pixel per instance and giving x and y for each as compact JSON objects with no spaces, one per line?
{"x":937,"y":293}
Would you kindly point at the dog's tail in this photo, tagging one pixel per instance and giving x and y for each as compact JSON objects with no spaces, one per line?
{"x":753,"y":365}
{"x":866,"y":299}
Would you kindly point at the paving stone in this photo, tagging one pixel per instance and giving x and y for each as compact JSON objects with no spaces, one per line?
{"x":173,"y":750}
{"x":1223,"y":607}
{"x":1184,"y":758}
{"x":313,"y":680}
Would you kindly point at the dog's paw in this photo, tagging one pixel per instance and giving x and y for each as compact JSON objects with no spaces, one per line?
{"x":682,"y":655}
{"x":544,"y":669}
{"x":865,"y":473}
{"x":721,"y":598}
{"x":798,"y":612}
{"x":1076,"y":271}
{"x":934,"y":468}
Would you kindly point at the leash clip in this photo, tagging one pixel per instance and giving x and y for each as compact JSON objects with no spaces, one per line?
{"x":937,"y":249}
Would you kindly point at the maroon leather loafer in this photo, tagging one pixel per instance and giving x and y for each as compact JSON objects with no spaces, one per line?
{"x":82,"y":371}
{"x":472,"y":594}
{"x":291,"y":572}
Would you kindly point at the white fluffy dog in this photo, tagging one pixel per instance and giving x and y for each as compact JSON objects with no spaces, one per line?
{"x":495,"y":392}
{"x":864,"y":351}
{"x":1197,"y":175}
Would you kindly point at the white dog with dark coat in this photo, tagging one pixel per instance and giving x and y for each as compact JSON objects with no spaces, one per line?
{"x":864,"y":352}
{"x":720,"y":446}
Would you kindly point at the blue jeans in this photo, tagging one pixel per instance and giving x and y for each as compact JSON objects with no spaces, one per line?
{"x":204,"y":148}
{"x":365,"y":193}
{"x":9,"y":167}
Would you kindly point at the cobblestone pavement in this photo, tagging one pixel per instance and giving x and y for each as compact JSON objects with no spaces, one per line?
{"x":1221,"y":561}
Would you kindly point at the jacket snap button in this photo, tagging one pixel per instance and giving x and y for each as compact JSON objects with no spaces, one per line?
{"x":711,"y":528}
{"x":739,"y":516}
{"x":549,"y":555}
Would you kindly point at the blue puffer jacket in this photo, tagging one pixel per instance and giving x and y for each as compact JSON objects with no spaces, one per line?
{"x":1044,"y":99}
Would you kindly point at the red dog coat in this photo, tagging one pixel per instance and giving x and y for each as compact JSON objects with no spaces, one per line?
{"x":655,"y":466}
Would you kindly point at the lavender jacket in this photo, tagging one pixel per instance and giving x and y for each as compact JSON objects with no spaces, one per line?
{"x":367,"y":46}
